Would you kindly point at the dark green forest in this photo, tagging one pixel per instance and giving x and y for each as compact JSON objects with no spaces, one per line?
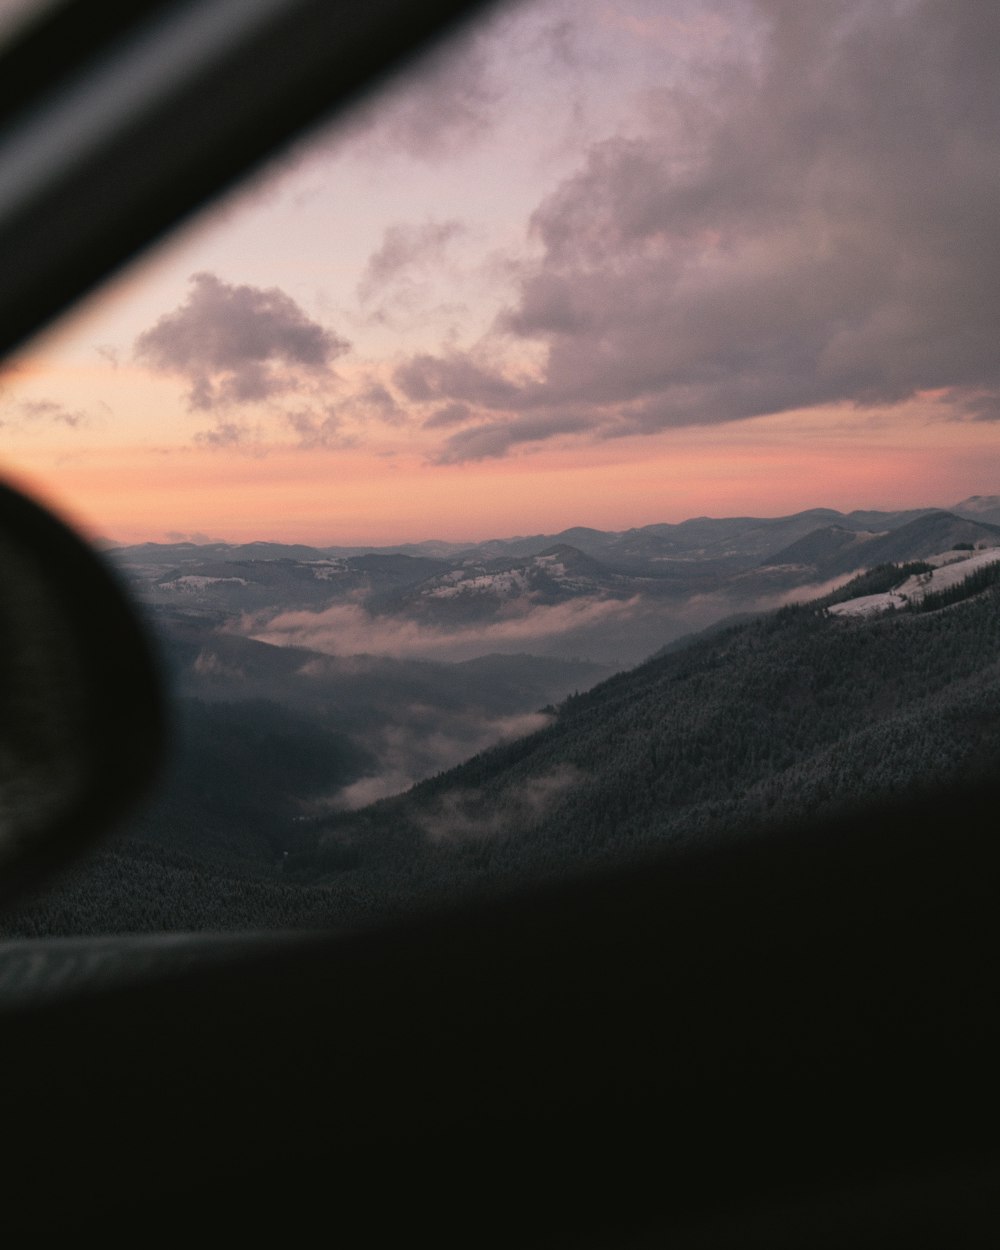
{"x":786,"y":717}
{"x":791,"y":716}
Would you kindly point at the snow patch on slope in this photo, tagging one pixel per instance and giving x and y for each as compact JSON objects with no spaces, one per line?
{"x":503,"y":585}
{"x":950,"y":568}
{"x":195,"y":581}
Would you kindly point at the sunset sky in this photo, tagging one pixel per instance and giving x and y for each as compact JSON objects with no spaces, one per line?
{"x":602,"y":262}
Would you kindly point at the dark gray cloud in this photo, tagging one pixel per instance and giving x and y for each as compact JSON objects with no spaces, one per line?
{"x":376,"y":400}
{"x":225,"y":435}
{"x":447,"y":415}
{"x":496,"y":438}
{"x":814,"y":224}
{"x":322,"y":429}
{"x":560,"y":38}
{"x":370,"y":401}
{"x":447,"y":104}
{"x":50,"y":411}
{"x":406,"y":249}
{"x":456,"y":377}
{"x":983,"y":407}
{"x":238,"y":344}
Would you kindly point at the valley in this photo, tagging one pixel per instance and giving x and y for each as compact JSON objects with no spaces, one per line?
{"x":359,"y":733}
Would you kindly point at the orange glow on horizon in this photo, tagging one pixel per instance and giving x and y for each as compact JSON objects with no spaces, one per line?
{"x":356,"y":497}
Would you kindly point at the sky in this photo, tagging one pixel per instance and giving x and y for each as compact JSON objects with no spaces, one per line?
{"x":599,"y":262}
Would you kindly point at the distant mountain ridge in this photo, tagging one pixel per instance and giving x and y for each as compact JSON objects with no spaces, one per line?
{"x":708,"y":537}
{"x":980,"y":508}
{"x":611,"y":597}
{"x":835,"y":549}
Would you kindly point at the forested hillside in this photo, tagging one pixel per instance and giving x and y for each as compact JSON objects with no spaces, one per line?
{"x":785,"y":717}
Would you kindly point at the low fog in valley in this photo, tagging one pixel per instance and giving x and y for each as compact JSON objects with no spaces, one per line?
{"x":425,"y":655}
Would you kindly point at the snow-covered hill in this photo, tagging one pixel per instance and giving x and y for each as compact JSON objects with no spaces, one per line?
{"x":951,"y":568}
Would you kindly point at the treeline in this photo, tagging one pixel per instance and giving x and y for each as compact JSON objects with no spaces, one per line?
{"x":878,"y":580}
{"x":887,"y":577}
{"x":129,"y":886}
{"x":208,"y":851}
{"x":978,"y":580}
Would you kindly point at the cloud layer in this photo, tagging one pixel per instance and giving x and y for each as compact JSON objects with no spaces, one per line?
{"x":49,"y":411}
{"x":445,"y":105}
{"x":426,"y":741}
{"x":811,"y":224}
{"x":463,"y":815}
{"x":347,"y":629}
{"x":406,"y":249}
{"x":238,"y":344}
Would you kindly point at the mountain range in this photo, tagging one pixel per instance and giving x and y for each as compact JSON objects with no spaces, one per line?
{"x":612,"y":598}
{"x":421,"y":750}
{"x":700,"y":537}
